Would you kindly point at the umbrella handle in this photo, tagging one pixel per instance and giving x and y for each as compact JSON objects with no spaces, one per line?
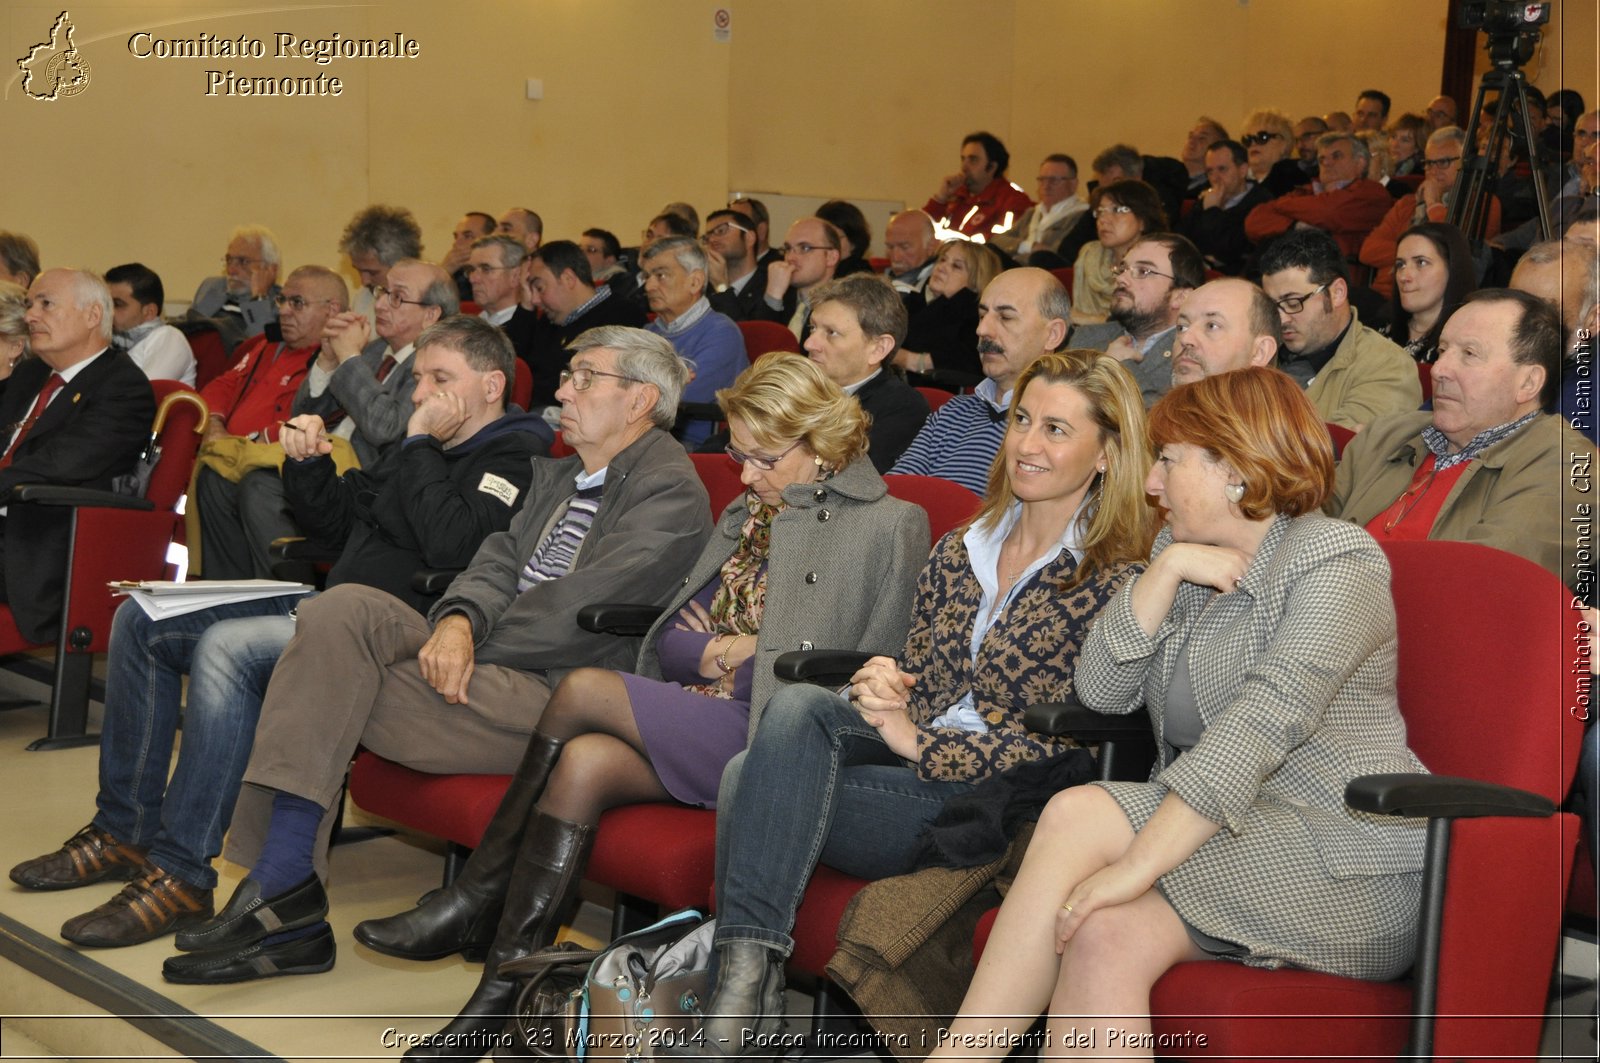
{"x":176,"y":398}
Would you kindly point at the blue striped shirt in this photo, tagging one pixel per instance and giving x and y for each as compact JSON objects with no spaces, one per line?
{"x":959,"y":442}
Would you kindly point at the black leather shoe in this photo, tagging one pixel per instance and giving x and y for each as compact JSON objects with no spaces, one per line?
{"x":312,"y":954}
{"x":249,"y":917}
{"x":746,"y":1010}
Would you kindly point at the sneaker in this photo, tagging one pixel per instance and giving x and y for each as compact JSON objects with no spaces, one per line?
{"x":148,"y":907}
{"x":89,"y":856}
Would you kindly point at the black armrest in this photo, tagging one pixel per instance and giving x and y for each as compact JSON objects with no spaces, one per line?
{"x":1073,"y":719}
{"x":291,"y":549}
{"x":61,"y":495}
{"x":697,"y":411}
{"x":1441,"y":797}
{"x":433,"y":580}
{"x":824,"y":667}
{"x":618,"y":618}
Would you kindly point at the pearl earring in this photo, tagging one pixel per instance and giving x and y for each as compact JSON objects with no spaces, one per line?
{"x":1234,"y":492}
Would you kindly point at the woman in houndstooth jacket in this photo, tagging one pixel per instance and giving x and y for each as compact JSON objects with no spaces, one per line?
{"x":1262,"y":639}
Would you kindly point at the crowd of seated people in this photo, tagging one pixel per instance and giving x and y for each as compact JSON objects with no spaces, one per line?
{"x":1260,"y":297}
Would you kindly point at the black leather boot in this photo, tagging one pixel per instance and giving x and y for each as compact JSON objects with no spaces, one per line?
{"x":462,"y":916}
{"x":746,"y":1009}
{"x":544,"y":883}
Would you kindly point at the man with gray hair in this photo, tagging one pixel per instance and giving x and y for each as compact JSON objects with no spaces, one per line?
{"x":622,"y":519}
{"x":360,"y":386}
{"x":240,"y":302}
{"x":76,"y":414}
{"x":375,"y":239}
{"x":674,"y":271}
{"x":1341,"y":201}
{"x":498,"y":267}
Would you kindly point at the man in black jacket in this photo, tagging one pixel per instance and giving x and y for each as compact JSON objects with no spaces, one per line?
{"x":561,"y":277}
{"x":457,"y":476}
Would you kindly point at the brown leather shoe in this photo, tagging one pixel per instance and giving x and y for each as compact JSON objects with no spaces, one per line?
{"x":89,"y":856}
{"x":155,"y":904}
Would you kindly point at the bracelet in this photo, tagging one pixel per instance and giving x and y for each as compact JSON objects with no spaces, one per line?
{"x":721,"y":659}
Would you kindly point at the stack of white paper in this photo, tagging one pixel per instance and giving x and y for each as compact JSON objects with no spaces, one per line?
{"x":163,"y":598}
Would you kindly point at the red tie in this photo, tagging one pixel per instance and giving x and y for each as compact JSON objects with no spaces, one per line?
{"x":51,"y":386}
{"x":386,"y":366}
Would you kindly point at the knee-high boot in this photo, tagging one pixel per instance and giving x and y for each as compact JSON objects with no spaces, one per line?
{"x":462,"y":916}
{"x":544,"y":883}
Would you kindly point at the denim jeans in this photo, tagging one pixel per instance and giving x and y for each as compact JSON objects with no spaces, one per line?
{"x":817,"y":785}
{"x":228,"y":652}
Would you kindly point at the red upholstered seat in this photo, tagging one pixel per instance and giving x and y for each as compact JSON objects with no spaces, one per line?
{"x":764,"y":337}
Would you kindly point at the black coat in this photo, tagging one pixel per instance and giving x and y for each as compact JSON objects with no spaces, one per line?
{"x":91,"y":432}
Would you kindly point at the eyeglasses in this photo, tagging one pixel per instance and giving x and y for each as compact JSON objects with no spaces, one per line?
{"x":1260,"y":138}
{"x":394,"y":298}
{"x":239,"y":260}
{"x":1409,"y":500}
{"x":1439,"y":164}
{"x":298,"y":302}
{"x":1293,"y":304}
{"x":804,"y":249}
{"x":1104,"y":212}
{"x":483,"y":268}
{"x":583,"y":379}
{"x":722,"y":230}
{"x":1139,"y":272}
{"x":764,"y":464}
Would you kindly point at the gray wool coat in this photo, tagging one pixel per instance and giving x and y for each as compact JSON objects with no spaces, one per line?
{"x":841,"y":573}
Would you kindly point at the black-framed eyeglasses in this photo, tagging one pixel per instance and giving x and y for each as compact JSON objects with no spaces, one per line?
{"x":1139,"y":272}
{"x":381,"y":294}
{"x":764,"y":464}
{"x":582,"y":379}
{"x":804,"y":249}
{"x":1439,"y":164}
{"x":1260,"y":138}
{"x":1293,"y":304}
{"x":1118,"y":208}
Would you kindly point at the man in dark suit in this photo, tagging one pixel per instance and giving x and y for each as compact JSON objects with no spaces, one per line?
{"x":858,"y":322}
{"x":77,"y":414}
{"x":738,"y":278}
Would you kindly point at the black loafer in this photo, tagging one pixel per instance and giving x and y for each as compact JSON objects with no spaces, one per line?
{"x":312,"y":954}
{"x":249,"y":917}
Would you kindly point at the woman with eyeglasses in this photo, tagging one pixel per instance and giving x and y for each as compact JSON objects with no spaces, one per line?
{"x":1123,"y":211}
{"x":941,"y":345}
{"x":1261,"y":641}
{"x":850,"y":779}
{"x":814,"y":552}
{"x":1433,"y":274}
{"x":1268,"y":139}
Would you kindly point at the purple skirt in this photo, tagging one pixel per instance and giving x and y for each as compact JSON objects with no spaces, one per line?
{"x":689,"y":737}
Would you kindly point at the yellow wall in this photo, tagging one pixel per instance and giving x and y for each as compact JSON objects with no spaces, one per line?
{"x":858,"y":98}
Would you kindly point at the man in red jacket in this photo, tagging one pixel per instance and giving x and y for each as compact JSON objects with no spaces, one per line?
{"x":251,"y":401}
{"x":979,"y":200}
{"x":1341,"y":202}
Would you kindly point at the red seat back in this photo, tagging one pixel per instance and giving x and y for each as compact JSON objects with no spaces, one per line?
{"x":1064,"y":275}
{"x":721,"y":478}
{"x":211,"y":355}
{"x":764,"y":337}
{"x":522,"y":384}
{"x":1341,"y":437}
{"x":947,"y":504}
{"x":1425,"y":378}
{"x":936,"y":397}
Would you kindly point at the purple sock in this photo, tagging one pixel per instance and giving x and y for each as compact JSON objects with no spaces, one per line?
{"x":285,"y":859}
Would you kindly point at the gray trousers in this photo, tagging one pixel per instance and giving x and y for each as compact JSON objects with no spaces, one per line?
{"x":350,"y":677}
{"x":238,"y":522}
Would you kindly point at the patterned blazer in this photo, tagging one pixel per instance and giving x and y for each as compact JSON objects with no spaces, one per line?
{"x":1294,"y":678}
{"x":1028,"y":656}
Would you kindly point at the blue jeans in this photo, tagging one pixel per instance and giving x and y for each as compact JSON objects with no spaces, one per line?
{"x":228,"y":652}
{"x":817,"y":785}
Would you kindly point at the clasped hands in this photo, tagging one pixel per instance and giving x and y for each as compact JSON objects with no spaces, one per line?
{"x":881,"y":693}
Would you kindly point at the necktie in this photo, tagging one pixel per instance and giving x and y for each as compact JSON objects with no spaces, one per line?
{"x":385,"y":367}
{"x":51,"y":386}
